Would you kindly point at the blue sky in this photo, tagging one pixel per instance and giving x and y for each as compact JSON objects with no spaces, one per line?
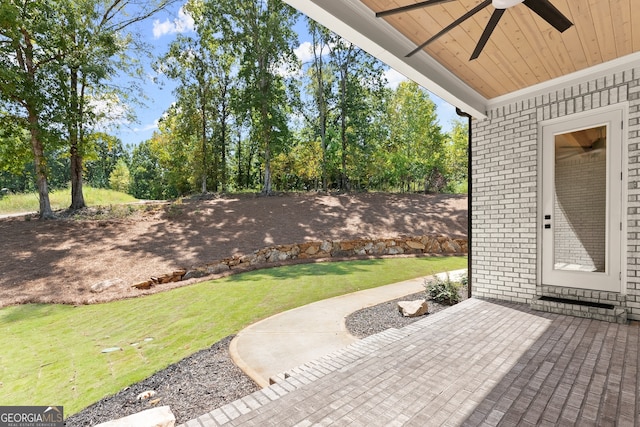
{"x":161,"y":30}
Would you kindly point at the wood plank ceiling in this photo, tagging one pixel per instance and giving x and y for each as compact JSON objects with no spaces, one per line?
{"x":524,"y":49}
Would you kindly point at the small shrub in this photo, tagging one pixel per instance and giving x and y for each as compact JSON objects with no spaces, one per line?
{"x":443,"y":291}
{"x":464,"y":280}
{"x":175,"y":209}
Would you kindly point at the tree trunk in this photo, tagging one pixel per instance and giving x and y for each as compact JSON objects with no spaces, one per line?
{"x":322,"y":109}
{"x":25,"y":58}
{"x":266,"y":127}
{"x":239,"y":156}
{"x":266,"y":189}
{"x":223,"y":139}
{"x":40,"y":166}
{"x":77,"y":197}
{"x":344,"y":180}
{"x":204,"y":149}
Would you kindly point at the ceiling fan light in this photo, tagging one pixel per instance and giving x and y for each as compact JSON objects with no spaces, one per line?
{"x":505,"y":4}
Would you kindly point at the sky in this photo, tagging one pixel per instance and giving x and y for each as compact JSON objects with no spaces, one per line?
{"x":161,"y":30}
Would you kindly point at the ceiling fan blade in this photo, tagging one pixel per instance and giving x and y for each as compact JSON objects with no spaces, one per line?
{"x":549,"y":13}
{"x":409,"y":7}
{"x":449,"y":27}
{"x":491,"y":25}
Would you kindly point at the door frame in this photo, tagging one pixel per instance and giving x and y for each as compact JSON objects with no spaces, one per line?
{"x":566,"y":124}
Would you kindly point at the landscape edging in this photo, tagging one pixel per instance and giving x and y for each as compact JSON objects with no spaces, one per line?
{"x":316,"y":250}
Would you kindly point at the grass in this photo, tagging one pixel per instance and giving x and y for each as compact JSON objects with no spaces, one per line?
{"x":61,"y":199}
{"x":51,"y":354}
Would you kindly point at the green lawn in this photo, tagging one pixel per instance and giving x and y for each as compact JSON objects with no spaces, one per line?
{"x":51,"y":354}
{"x":61,"y":199}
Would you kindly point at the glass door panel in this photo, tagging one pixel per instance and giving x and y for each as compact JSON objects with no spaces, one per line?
{"x":580,"y":202}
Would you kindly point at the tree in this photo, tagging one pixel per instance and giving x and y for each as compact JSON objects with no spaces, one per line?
{"x":14,"y":146}
{"x":55,"y":58}
{"x":96,"y":38}
{"x":321,"y":39}
{"x":101,"y":154}
{"x":204,"y":70}
{"x":120,"y":179}
{"x":261,"y":33}
{"x":360,"y":79}
{"x":344,"y":108}
{"x":145,"y":173}
{"x":31,"y":42}
{"x":15,"y":153}
{"x":458,"y":156}
{"x":178,"y":153}
{"x":415,"y":151}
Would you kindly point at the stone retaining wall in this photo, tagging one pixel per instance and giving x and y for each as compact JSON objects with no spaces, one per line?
{"x":326,"y":249}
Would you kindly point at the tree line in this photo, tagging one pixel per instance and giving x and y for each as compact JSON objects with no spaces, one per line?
{"x":248,"y":114}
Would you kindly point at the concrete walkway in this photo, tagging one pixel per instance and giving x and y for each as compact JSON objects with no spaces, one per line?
{"x":287,"y":340}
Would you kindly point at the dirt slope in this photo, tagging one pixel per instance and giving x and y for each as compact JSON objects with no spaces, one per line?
{"x":59,"y":260}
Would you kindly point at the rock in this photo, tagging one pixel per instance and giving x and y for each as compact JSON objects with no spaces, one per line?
{"x":194,"y":273}
{"x":217,"y":268}
{"x":247,"y":259}
{"x":180,"y":273}
{"x":379,"y":248}
{"x":277,"y":256}
{"x":450,"y":247}
{"x":146,"y":395}
{"x":260,"y":258}
{"x":433,"y":247}
{"x":156,"y":417}
{"x":312,"y":250}
{"x":165,"y":278}
{"x":143,"y":285}
{"x":395,"y":250}
{"x":96,"y":288}
{"x":326,"y":246}
{"x":415,"y":245}
{"x":348,"y":245}
{"x":413,"y":308}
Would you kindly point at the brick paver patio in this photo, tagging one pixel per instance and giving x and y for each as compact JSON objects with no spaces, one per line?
{"x":479,"y":363}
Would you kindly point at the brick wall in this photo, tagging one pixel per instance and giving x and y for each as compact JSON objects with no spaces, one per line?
{"x":505,"y":188}
{"x":579,"y":226}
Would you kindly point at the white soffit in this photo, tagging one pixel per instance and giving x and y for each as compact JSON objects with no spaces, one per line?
{"x":356,"y":23}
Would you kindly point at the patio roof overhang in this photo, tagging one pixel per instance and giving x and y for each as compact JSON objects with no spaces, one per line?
{"x":524,"y":55}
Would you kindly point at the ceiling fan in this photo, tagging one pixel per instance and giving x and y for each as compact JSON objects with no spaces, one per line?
{"x":543,"y":8}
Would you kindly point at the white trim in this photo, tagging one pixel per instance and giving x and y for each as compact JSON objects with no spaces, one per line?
{"x":595,"y":72}
{"x":567,"y":123}
{"x":624,"y":203}
{"x":355,"y":22}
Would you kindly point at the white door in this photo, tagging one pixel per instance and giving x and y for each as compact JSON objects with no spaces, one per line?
{"x":582,"y":194}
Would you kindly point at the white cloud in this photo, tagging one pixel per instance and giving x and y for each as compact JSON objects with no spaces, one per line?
{"x":304,"y":52}
{"x":394,"y":78}
{"x":146,"y":128}
{"x":110,"y":112}
{"x":182,"y":24}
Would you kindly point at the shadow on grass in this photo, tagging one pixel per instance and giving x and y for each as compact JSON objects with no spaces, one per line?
{"x":19,"y":313}
{"x":337,"y":268}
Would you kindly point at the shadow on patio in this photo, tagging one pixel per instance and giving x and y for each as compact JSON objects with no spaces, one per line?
{"x":477,"y":363}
